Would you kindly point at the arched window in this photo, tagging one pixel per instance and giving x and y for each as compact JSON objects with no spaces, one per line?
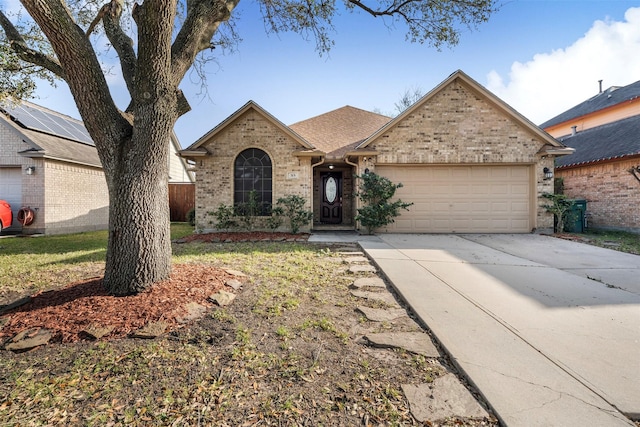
{"x":252,"y":171}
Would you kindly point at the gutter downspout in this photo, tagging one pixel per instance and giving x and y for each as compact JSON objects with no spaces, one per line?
{"x":313,"y":165}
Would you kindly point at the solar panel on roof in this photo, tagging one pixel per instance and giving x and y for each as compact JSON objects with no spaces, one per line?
{"x":45,"y":121}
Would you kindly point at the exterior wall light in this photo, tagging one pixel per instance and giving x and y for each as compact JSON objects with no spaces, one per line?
{"x":548,"y":173}
{"x":30,"y":170}
{"x":331,"y":167}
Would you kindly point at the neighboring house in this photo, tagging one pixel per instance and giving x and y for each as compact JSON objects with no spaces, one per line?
{"x":605,"y":168}
{"x":468,"y":162}
{"x":49,"y":164}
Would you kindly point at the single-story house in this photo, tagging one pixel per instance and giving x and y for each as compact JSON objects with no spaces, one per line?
{"x":49,"y":164}
{"x":468,"y":162}
{"x":605,"y":168}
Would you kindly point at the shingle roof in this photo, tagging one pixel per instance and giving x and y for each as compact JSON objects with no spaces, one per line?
{"x":610,"y":141}
{"x":339,"y":131}
{"x":53,"y":147}
{"x":610,"y":97}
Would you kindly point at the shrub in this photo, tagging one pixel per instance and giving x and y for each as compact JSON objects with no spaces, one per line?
{"x":225,"y":217}
{"x":292,"y":206}
{"x":561,"y":207}
{"x":275,"y":220}
{"x":191,"y":217}
{"x":248,"y":211}
{"x":375,"y":193}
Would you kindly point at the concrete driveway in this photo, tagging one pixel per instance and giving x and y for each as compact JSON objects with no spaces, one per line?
{"x":548,"y":330}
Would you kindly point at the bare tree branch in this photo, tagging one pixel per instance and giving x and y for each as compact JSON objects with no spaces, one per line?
{"x":83,"y":74}
{"x":202,"y":22}
{"x":432,"y":21}
{"x":120,"y":41}
{"x":24,"y":52}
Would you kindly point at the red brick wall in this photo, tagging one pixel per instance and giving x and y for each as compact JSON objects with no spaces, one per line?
{"x":611,"y":191}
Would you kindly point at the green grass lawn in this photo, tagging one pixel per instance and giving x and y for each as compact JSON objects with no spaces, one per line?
{"x":29,"y":264}
{"x":618,"y":240}
{"x":285,"y":352}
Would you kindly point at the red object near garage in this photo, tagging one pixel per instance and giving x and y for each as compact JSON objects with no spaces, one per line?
{"x":26,"y":216}
{"x":6,"y":216}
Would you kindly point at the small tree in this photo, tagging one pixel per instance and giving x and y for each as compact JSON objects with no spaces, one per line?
{"x":292,"y":206}
{"x":376,"y":192}
{"x":561,"y":207}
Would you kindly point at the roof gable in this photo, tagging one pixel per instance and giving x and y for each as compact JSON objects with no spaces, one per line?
{"x":479,"y":90}
{"x":197,"y":149}
{"x":610,"y":141}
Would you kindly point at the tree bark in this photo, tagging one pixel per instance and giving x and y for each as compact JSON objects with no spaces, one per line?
{"x":139,"y":246}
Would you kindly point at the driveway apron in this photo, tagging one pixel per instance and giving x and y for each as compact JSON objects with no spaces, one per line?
{"x":548,"y":330}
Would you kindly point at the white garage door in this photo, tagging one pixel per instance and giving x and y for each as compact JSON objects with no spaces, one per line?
{"x":462,"y":199}
{"x":11,"y":189}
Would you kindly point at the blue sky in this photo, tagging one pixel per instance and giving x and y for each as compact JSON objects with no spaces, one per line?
{"x":542,"y":57}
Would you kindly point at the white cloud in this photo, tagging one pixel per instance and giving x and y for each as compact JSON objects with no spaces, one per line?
{"x":553,"y":82}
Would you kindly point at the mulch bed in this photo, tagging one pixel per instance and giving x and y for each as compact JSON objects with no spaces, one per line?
{"x":246,"y":236}
{"x":68,"y":311}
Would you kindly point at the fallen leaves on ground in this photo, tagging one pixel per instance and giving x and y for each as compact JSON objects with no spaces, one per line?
{"x":68,"y":311}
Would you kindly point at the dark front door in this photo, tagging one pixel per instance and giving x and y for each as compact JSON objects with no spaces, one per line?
{"x":331,"y":209}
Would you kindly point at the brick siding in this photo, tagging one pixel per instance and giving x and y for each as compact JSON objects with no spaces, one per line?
{"x":457,"y":126}
{"x":65,"y":197}
{"x":611,"y":191}
{"x":291,"y":175}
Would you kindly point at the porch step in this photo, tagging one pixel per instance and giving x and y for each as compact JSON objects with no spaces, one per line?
{"x":331,"y":227}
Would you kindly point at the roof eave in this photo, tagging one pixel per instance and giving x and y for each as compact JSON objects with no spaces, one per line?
{"x":361,"y":153}
{"x":42,"y":155}
{"x":549,"y":150}
{"x":599,"y":161}
{"x":193,"y":153}
{"x":309,"y":153}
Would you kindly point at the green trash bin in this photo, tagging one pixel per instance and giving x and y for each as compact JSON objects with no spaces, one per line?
{"x":576,"y":217}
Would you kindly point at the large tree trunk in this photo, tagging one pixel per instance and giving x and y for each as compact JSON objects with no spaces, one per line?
{"x":139,"y":248}
{"x":132,"y":145}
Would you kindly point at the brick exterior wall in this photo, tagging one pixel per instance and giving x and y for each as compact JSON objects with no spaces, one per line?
{"x":65,"y":197}
{"x":11,"y":143}
{"x":291,"y":175}
{"x":611,"y":191}
{"x":459,"y":126}
{"x":76,"y":198}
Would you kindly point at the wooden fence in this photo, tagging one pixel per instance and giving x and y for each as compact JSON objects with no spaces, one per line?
{"x":182,"y":198}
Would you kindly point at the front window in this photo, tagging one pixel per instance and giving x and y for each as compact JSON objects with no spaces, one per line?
{"x":253,"y":172}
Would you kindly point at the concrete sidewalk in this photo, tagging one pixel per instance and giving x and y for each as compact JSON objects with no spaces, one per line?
{"x":543,"y":343}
